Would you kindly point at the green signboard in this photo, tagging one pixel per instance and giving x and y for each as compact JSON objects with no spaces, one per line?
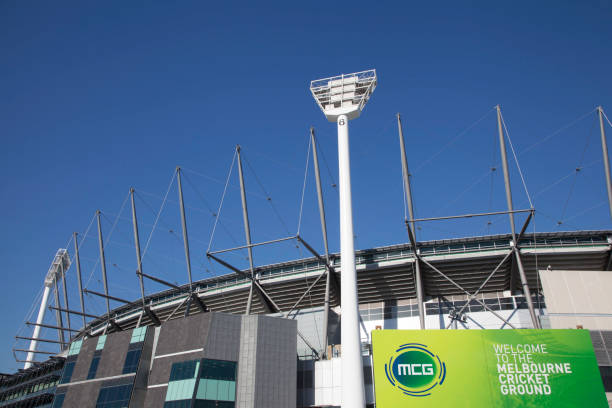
{"x":486,"y":368}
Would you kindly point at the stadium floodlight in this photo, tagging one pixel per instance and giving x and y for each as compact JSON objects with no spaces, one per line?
{"x":344,"y":94}
{"x":342,"y":98}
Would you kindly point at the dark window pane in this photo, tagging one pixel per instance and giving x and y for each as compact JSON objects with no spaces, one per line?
{"x":131,"y":361}
{"x":218,"y":370}
{"x":58,"y":401}
{"x":114,"y":397}
{"x":93,"y":368}
{"x":67,"y":374}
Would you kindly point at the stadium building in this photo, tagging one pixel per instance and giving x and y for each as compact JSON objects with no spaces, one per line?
{"x":271,"y":336}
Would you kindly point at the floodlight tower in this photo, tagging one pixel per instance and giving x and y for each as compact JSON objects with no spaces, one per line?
{"x":342,"y":98}
{"x":57,"y":270}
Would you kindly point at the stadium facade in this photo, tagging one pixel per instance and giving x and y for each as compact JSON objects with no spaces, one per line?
{"x":288,"y":351}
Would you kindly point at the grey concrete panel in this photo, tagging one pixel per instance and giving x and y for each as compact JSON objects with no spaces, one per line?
{"x":183,"y":334}
{"x":82,"y":395}
{"x":223,"y":342}
{"x":113,"y":354}
{"x":155,"y":397}
{"x":276,"y":363}
{"x":81,"y":368}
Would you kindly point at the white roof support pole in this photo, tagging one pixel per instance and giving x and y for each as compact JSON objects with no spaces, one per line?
{"x":353,"y":391}
{"x":39,"y":320}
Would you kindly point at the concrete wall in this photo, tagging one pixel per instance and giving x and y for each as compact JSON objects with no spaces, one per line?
{"x":578,"y":298}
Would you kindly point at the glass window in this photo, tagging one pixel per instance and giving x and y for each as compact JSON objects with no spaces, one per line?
{"x":58,"y":400}
{"x":67,"y":374}
{"x":93,"y":367}
{"x":131,"y":361}
{"x":75,"y":348}
{"x":218,"y":370}
{"x":180,"y":404}
{"x":114,"y":397}
{"x":101,"y":342}
{"x":183,"y":370}
{"x":138,"y":334}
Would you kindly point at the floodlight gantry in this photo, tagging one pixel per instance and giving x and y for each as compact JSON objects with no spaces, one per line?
{"x":342,"y":98}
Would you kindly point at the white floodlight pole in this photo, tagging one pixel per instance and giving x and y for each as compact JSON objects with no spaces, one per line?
{"x":50,"y":279}
{"x":342,"y":98}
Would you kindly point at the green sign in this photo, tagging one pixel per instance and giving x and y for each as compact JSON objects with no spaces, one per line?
{"x":486,"y":368}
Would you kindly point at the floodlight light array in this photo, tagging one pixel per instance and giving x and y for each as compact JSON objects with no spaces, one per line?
{"x":344,"y":94}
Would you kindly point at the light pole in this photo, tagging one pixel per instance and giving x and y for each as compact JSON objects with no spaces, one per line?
{"x":342,"y":98}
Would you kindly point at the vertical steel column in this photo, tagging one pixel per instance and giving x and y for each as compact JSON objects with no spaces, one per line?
{"x":184,"y":225}
{"x":353,"y":390}
{"x":80,"y":283}
{"x":519,"y":263}
{"x":41,"y":316}
{"x":137,"y":246}
{"x":58,"y":313}
{"x":65,"y":289}
{"x":408,"y":190}
{"x":315,"y":156}
{"x":103,"y":264}
{"x":247,"y":229}
{"x":604,"y":149}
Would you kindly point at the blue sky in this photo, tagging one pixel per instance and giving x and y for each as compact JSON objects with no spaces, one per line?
{"x":99,"y":97}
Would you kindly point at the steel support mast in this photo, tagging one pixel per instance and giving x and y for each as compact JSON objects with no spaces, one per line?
{"x":408,"y":191}
{"x":514,"y":244}
{"x":606,"y":160}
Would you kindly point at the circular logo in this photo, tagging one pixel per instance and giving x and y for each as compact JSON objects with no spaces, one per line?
{"x":415,"y":370}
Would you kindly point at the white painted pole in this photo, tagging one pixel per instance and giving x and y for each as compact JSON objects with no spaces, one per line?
{"x":39,"y":320}
{"x":353,"y":391}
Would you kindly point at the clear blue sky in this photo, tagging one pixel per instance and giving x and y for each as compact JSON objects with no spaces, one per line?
{"x":98,"y":97}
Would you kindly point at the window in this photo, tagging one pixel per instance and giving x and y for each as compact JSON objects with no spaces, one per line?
{"x":218,"y":370}
{"x":114,"y":397}
{"x":101,"y":342}
{"x":58,"y":400}
{"x":131,"y":361}
{"x":138,"y":334}
{"x":179,"y":404}
{"x":93,"y":367}
{"x":67,"y":374}
{"x":75,"y":348}
{"x":183,"y":370}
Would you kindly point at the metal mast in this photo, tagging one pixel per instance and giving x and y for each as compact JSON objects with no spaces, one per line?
{"x":408,"y":191}
{"x":103,"y":264}
{"x":342,"y":98}
{"x":80,"y":283}
{"x":604,"y":149}
{"x":324,"y":232}
{"x":137,"y":247}
{"x":515,"y":244}
{"x":247,"y":229}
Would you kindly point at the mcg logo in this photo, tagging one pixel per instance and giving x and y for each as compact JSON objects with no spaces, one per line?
{"x":415,"y":370}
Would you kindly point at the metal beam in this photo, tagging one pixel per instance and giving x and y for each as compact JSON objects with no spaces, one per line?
{"x":273,"y":241}
{"x":79,"y":279}
{"x":604,"y":150}
{"x":137,"y":246}
{"x":163,"y":282}
{"x":184,"y":227}
{"x":49,"y":326}
{"x":37,"y":351}
{"x":411,"y":226}
{"x":267,"y":301}
{"x":473,"y":295}
{"x":127,"y":302}
{"x":526,"y":291}
{"x":43,"y":340}
{"x":450,"y":217}
{"x":312,"y":285}
{"x":466,"y":292}
{"x":328,"y":270}
{"x":75,"y":312}
{"x":58,"y":313}
{"x":103,"y":262}
{"x":65,"y":290}
{"x":247,"y":230}
{"x":309,"y":345}
{"x":522,"y":233}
